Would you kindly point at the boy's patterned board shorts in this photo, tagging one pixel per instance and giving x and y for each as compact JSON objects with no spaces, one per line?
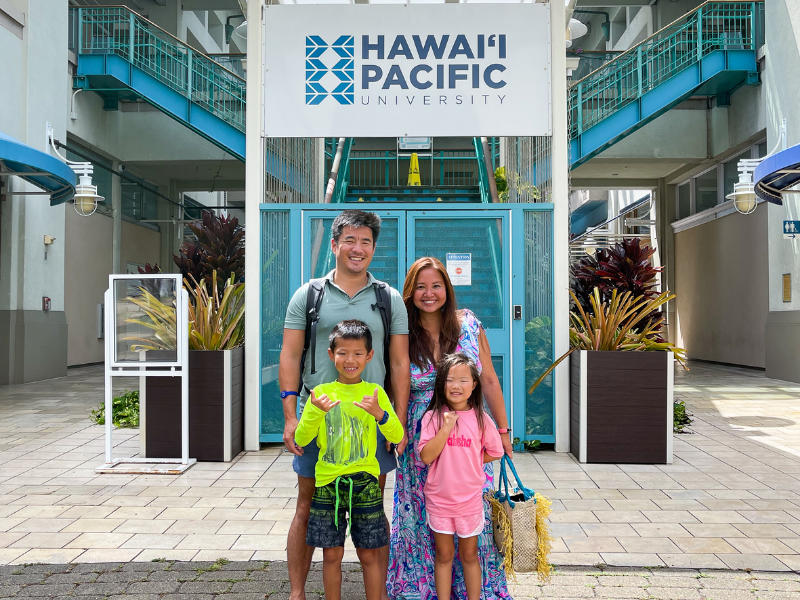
{"x":367,"y":519}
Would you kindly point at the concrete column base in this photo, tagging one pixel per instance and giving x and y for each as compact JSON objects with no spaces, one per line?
{"x":33,"y":345}
{"x":783,"y":345}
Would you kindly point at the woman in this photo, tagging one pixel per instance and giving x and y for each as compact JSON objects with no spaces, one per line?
{"x":437,"y":328}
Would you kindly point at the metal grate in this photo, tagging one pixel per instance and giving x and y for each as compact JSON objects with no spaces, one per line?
{"x":528,"y":169}
{"x":119,"y":31}
{"x":711,"y":27}
{"x":291,"y":170}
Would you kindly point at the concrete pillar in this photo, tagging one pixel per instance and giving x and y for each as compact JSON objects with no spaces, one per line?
{"x":116,"y":214}
{"x":254,"y":195}
{"x":560,"y":174}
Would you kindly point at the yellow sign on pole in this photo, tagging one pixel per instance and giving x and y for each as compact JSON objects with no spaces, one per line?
{"x":413,"y":171}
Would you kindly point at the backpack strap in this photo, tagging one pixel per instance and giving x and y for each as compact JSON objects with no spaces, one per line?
{"x":316,"y":290}
{"x":384,"y":305}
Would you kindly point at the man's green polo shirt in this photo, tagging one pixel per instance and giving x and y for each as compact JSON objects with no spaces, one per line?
{"x":338,"y":306}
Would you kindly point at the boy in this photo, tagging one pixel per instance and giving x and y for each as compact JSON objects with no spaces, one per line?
{"x":344,"y":416}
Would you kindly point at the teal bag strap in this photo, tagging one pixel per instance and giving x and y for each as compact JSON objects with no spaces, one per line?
{"x":503,"y":495}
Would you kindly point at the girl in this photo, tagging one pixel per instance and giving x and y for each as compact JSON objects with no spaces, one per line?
{"x":456,"y":439}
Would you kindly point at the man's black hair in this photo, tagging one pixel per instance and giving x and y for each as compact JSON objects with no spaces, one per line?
{"x":352,"y":329}
{"x":355,"y":219}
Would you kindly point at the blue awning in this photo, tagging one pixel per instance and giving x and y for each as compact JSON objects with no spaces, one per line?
{"x":777,"y":173}
{"x":39,"y":168}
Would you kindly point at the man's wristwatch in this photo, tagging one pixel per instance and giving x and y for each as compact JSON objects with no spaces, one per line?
{"x":384,"y":418}
{"x":286,"y":394}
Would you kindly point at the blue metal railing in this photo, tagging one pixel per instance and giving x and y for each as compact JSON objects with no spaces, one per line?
{"x":483,"y":175}
{"x":120,"y":31}
{"x":718,"y":25}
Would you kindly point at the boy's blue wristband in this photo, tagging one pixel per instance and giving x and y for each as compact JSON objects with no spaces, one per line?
{"x":384,"y":419}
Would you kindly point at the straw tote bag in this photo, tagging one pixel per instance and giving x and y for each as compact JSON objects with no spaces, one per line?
{"x":519,"y":522}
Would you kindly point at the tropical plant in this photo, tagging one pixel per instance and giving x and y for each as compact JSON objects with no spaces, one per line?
{"x":124,"y":411}
{"x":218,"y":248}
{"x":158,"y":317}
{"x":625,"y":267}
{"x":505,"y":180}
{"x":216,"y":320}
{"x":623,"y":323}
{"x":680,"y":418}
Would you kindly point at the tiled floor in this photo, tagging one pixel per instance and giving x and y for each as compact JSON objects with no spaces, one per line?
{"x":731,"y":499}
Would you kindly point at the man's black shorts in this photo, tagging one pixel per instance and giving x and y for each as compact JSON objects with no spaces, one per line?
{"x":365,"y":510}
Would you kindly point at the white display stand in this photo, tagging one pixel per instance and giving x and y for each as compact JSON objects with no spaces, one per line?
{"x":127,"y":363}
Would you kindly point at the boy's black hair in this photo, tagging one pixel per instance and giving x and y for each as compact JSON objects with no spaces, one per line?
{"x":355,"y":219}
{"x":352,"y":329}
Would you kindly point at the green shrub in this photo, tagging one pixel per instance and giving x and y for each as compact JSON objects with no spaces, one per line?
{"x":680,"y":417}
{"x":125,"y":411}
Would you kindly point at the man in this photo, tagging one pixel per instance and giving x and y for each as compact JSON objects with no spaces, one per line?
{"x":348,"y":294}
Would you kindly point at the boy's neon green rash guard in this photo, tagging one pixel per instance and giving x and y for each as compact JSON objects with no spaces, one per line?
{"x":346,"y":435}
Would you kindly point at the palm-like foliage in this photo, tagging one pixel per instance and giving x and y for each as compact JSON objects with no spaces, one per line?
{"x":159,"y":318}
{"x":218,"y":248}
{"x":623,"y":323}
{"x":625,"y":267}
{"x":216,"y":320}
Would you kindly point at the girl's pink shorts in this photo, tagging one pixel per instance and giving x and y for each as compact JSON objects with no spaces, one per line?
{"x":463,"y":527}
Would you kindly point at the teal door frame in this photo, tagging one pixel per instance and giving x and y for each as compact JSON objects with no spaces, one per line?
{"x":296,"y":270}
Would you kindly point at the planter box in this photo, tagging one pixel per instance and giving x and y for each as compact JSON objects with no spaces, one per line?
{"x":621,"y":407}
{"x":216,"y":409}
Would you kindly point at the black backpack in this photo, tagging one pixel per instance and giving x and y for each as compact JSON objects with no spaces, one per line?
{"x":316,"y":290}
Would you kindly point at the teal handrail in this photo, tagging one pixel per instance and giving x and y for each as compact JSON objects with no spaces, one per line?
{"x":714,"y":25}
{"x":483,"y":176}
{"x":120,"y":31}
{"x":340,"y":189}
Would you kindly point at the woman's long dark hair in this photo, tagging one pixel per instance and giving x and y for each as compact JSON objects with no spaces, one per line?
{"x":439,"y":400}
{"x":420,"y":344}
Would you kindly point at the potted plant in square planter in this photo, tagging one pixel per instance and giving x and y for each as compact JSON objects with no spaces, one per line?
{"x":216,"y":377}
{"x":212,"y":265}
{"x":621,"y":370}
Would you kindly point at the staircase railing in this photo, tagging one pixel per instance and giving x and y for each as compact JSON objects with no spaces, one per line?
{"x":120,"y":31}
{"x":717,"y":25}
{"x":483,"y":175}
{"x":343,"y":177}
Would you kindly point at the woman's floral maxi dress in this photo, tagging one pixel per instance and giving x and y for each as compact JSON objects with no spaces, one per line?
{"x":411,"y":547}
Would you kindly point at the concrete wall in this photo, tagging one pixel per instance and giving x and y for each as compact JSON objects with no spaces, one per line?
{"x":34,"y":73}
{"x":721,"y":273}
{"x":782,"y":91}
{"x":89,"y":265}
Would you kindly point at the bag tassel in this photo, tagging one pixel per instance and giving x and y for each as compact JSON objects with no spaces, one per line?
{"x":543,"y":509}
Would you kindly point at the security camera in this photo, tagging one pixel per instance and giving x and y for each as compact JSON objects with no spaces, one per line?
{"x":122,"y":167}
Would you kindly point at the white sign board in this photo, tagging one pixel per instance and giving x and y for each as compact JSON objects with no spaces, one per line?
{"x":459,"y":268}
{"x":399,"y":70}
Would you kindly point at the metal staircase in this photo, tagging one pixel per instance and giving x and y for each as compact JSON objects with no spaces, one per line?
{"x":123,"y":56}
{"x":711,"y":51}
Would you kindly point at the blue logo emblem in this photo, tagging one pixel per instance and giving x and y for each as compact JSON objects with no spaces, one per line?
{"x":342,"y":73}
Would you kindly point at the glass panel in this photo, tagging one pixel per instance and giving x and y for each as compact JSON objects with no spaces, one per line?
{"x":141,"y":332}
{"x":483,"y":239}
{"x":384,"y":261}
{"x":684,"y":201}
{"x":497,"y":363}
{"x":538,"y":322}
{"x":706,"y":191}
{"x":762,"y":149}
{"x":732,"y":171}
{"x":275,"y":295}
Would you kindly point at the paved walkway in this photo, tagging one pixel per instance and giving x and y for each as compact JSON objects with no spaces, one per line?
{"x":731,"y":500}
{"x":255,"y":580}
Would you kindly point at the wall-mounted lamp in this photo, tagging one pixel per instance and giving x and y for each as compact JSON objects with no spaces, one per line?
{"x":744,"y":193}
{"x":86,"y":197}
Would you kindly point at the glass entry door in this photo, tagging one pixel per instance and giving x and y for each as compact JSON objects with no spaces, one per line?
{"x":474,"y":246}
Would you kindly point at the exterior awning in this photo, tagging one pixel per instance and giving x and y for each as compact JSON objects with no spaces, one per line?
{"x":38,"y":168}
{"x":776,"y":173}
